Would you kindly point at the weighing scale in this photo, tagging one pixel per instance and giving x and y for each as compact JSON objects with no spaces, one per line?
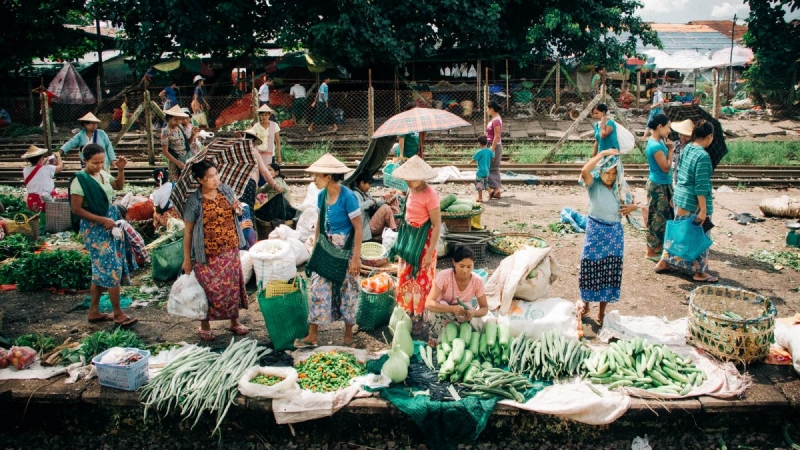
{"x":793,"y":238}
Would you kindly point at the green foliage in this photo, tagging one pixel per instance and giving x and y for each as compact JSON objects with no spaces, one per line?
{"x":785,"y":259}
{"x":14,"y":205}
{"x":776,"y":46}
{"x":18,"y":130}
{"x":15,"y":245}
{"x":42,"y":343}
{"x":57,"y":269}
{"x":291,"y":155}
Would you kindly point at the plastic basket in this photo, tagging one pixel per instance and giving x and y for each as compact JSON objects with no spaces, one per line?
{"x":167,"y":260}
{"x":277,"y":288}
{"x":478,"y":248}
{"x":375,"y":310}
{"x":286,"y":316}
{"x":57,"y":216}
{"x":127,"y":378}
{"x":392,"y":182}
{"x":731,"y":324}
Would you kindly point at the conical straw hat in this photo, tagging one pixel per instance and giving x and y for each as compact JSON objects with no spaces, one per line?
{"x":328,"y":164}
{"x":414,"y":169}
{"x":176,"y":111}
{"x":89,"y":117}
{"x":265,"y":109}
{"x":685,"y":127}
{"x":252,"y":134}
{"x":34,"y":151}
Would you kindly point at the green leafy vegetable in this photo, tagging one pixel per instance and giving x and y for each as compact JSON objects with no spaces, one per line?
{"x":15,"y":245}
{"x":59,"y":269}
{"x":14,"y":205}
{"x":42,"y":343}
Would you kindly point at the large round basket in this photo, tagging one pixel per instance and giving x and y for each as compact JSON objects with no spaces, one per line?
{"x":507,"y":243}
{"x":463,"y":215}
{"x":730,"y":323}
{"x":374,"y":254}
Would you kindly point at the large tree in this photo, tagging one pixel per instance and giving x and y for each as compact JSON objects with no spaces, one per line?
{"x":35,"y":29}
{"x":362,"y":32}
{"x":776,"y":46}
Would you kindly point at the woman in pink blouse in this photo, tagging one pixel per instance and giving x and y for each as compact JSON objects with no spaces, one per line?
{"x":453,"y":290}
{"x":493,"y":134}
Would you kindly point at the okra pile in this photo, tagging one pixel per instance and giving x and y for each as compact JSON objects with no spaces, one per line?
{"x":550,"y":357}
{"x":636,"y":363}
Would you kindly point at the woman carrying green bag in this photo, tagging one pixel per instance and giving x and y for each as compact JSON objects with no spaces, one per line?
{"x":693,"y":201}
{"x":336,"y":259}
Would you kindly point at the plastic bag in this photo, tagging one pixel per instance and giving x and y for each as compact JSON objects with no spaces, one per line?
{"x":388,"y":238}
{"x":685,"y":239}
{"x":21,"y":357}
{"x":283,"y":232}
{"x":247,"y":265}
{"x":301,"y":252}
{"x":3,"y":360}
{"x":307,"y":223}
{"x":625,"y":139}
{"x":187,"y":298}
{"x":787,"y":335}
{"x":283,"y":388}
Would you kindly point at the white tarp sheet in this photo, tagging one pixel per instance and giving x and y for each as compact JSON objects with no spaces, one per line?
{"x":690,"y":60}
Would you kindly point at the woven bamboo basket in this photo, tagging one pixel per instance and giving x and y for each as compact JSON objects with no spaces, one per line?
{"x":731,"y":324}
{"x":783,"y":206}
{"x":463,"y":215}
{"x":374,"y":254}
{"x":534,"y":241}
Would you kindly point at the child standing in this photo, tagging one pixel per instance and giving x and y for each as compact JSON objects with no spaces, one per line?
{"x":483,"y":157}
{"x":600,"y":275}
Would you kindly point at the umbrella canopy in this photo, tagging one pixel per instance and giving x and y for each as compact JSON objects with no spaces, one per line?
{"x":70,"y":88}
{"x":235,"y":160}
{"x":418,"y":120}
{"x":717,"y":150}
{"x":374,"y":158}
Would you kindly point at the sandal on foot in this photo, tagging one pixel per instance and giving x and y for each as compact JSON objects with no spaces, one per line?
{"x":103,"y":318}
{"x":206,"y":335}
{"x":709,"y":279}
{"x":655,"y":259}
{"x":668,"y":269}
{"x":128,"y":322}
{"x":239,"y":330}
{"x":350,"y":344}
{"x":302,"y":343}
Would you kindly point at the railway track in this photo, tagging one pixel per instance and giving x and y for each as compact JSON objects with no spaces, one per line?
{"x":770,"y":176}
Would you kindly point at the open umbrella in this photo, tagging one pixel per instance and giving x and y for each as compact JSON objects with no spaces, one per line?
{"x":717,"y":150}
{"x":235,"y":160}
{"x":419,"y":120}
{"x":70,"y":88}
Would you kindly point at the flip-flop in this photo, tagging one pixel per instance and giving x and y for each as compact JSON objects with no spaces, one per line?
{"x":206,"y":335}
{"x":351,"y":344}
{"x":711,"y":279}
{"x":662,"y":270}
{"x":239,"y":330}
{"x":104,"y":318}
{"x":655,"y":259}
{"x":300,"y":343}
{"x":128,"y":322}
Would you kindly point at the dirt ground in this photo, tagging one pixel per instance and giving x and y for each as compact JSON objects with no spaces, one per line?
{"x":523,"y":208}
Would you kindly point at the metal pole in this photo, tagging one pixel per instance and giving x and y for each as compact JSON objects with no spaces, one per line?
{"x":638,"y":89}
{"x":478,"y":84}
{"x":486,"y":99}
{"x":508,"y":90}
{"x":148,"y":126}
{"x":733,"y":31}
{"x":99,"y":63}
{"x":371,"y":106}
{"x":558,"y":83}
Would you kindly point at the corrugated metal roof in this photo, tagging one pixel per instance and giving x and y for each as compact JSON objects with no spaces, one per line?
{"x":677,"y":37}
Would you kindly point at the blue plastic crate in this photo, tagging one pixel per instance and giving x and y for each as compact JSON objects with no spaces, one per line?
{"x":392,"y":182}
{"x":126,"y":378}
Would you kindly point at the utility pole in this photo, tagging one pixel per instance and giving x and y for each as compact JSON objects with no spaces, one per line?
{"x":730,"y":79}
{"x":99,"y":61}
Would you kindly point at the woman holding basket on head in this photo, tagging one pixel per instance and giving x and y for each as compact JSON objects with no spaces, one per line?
{"x":91,"y":193}
{"x":417,"y":237}
{"x":211,"y":244}
{"x":336,"y":260}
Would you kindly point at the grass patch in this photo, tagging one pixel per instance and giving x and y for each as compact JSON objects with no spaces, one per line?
{"x":304,"y":156}
{"x":774,"y":153}
{"x":777,"y":259}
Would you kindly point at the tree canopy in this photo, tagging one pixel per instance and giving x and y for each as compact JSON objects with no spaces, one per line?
{"x":352,"y":32}
{"x":776,"y":47}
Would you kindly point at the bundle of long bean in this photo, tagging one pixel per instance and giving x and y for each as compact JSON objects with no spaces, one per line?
{"x":199,"y":381}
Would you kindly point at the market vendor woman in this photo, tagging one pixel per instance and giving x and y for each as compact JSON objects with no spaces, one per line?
{"x":91,"y":134}
{"x":334,"y":290}
{"x":416,"y":239}
{"x":91,"y":195}
{"x":451,"y":297}
{"x":212,"y":240}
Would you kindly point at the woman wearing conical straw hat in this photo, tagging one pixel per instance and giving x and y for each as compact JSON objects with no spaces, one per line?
{"x":175,"y":144}
{"x":39,"y":177}
{"x":334,"y":274}
{"x":417,"y":238}
{"x":91,"y":134}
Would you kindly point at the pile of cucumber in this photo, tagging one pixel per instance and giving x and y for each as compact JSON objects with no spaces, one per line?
{"x":637,"y":363}
{"x":462,"y":350}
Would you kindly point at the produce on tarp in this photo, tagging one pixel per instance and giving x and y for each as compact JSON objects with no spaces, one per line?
{"x":98,"y":342}
{"x":3,"y":360}
{"x":21,"y":357}
{"x":15,"y":245}
{"x":328,"y":371}
{"x":37,"y":341}
{"x":399,"y":315}
{"x":550,"y":357}
{"x":60,"y":269}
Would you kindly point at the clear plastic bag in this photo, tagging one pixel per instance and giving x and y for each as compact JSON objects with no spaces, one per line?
{"x":187,"y":298}
{"x":21,"y":357}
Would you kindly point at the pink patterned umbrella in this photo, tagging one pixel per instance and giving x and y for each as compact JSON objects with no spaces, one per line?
{"x":235,"y":160}
{"x":69,"y":87}
{"x":418,"y":120}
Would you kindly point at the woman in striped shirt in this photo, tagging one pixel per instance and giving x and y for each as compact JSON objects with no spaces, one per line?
{"x":693,"y":200}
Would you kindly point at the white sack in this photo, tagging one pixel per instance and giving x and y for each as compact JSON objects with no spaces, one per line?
{"x":657,"y":330}
{"x":537,"y":286}
{"x":534,"y":318}
{"x":576,"y":401}
{"x":187,"y":298}
{"x":787,"y":335}
{"x":283,"y":388}
{"x":513,"y":271}
{"x":307,"y":223}
{"x":284,"y":232}
{"x":247,"y":265}
{"x":272,"y":260}
{"x":300,"y":251}
{"x":312,"y":198}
